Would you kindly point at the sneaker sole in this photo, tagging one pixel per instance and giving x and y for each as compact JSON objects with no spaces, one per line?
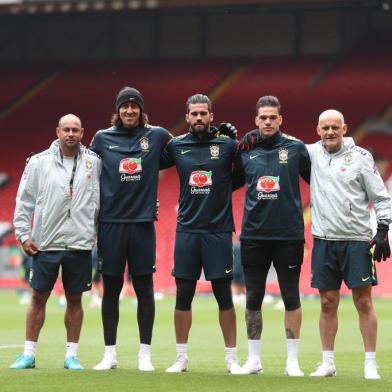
{"x":256,"y":372}
{"x":293,"y":375}
{"x":181,"y":371}
{"x":287,"y":373}
{"x":328,"y":375}
{"x":22,"y":368}
{"x":113,"y":367}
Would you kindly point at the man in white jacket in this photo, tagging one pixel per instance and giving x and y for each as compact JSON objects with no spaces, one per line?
{"x":344,"y":180}
{"x":60,"y":188}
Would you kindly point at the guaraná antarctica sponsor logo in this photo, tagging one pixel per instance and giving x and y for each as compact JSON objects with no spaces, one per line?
{"x":129,"y":167}
{"x":200,"y":181}
{"x":267,"y":187}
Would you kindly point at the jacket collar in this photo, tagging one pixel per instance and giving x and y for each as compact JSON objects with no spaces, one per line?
{"x":55,"y":149}
{"x":210,"y":134}
{"x":263,"y":141}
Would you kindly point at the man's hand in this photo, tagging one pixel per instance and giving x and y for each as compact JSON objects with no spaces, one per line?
{"x":30,"y":248}
{"x":380,"y":242}
{"x":248,"y":142}
{"x":228,"y":130}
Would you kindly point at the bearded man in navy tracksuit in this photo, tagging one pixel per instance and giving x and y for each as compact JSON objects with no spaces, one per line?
{"x":204,"y":161}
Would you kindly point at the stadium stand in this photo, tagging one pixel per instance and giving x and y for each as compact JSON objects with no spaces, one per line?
{"x":88,"y":89}
{"x":16,"y":79}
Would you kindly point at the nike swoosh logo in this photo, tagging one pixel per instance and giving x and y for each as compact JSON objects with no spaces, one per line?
{"x":228,"y":270}
{"x":252,"y":156}
{"x":184,"y":151}
{"x":111,"y":147}
{"x":365,"y":279}
{"x":292,"y":266}
{"x":89,"y":284}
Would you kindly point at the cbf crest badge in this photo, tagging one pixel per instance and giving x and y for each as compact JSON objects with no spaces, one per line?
{"x":144,"y":144}
{"x":348,"y":157}
{"x":283,"y":155}
{"x":214,"y":149}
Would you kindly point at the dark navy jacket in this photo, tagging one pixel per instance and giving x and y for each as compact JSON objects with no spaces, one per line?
{"x":271,"y":171}
{"x":205,"y":168}
{"x":130,"y":172}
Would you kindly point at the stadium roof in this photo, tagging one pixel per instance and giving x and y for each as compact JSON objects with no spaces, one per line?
{"x":64,"y":6}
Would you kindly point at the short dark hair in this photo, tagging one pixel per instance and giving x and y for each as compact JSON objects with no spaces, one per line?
{"x":268,"y":100}
{"x":116,"y":120}
{"x":198,"y":98}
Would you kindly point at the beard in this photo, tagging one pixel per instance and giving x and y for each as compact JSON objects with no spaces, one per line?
{"x":199,"y":128}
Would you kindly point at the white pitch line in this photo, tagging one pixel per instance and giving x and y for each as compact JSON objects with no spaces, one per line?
{"x":2,"y":346}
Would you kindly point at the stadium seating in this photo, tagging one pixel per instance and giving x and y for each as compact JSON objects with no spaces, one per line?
{"x":88,"y":90}
{"x":17,"y":79}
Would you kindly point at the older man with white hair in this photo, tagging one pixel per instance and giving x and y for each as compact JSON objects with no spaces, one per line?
{"x":344,"y":180}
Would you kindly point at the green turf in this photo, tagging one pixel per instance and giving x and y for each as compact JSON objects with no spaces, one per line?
{"x":206,"y":352}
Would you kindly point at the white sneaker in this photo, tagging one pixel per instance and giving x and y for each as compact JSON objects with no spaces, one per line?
{"x":325,"y":369}
{"x":233,"y":367}
{"x":145,"y":364}
{"x":293,"y":370}
{"x":179,"y":366}
{"x":371,"y":372}
{"x":252,"y":366}
{"x":106,"y":364}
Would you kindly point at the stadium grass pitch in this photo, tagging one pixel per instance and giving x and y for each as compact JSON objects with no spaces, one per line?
{"x":206,"y":369}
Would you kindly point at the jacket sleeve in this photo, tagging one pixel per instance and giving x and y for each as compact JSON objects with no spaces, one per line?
{"x":26,"y":200}
{"x":95,"y":144}
{"x":304,"y":164}
{"x":238,"y":173}
{"x":375,"y":189}
{"x":97,"y":175}
{"x":166,"y":159}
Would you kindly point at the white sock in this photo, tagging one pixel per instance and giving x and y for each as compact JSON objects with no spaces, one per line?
{"x":110,"y":352}
{"x":145,"y":349}
{"x":292,"y":350}
{"x":71,"y":349}
{"x":328,"y":357}
{"x":370,"y":358}
{"x":30,"y":348}
{"x":254,"y":348}
{"x":231,"y":354}
{"x":182,"y":350}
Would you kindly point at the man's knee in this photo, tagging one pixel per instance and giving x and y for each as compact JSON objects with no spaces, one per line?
{"x":363,"y":301}
{"x":329,"y":302}
{"x":185,"y":292}
{"x":222,"y":293}
{"x":73,"y":299}
{"x":254,"y":294}
{"x":292,"y":301}
{"x":39,"y":298}
{"x":112,"y":285}
{"x":143,"y":286}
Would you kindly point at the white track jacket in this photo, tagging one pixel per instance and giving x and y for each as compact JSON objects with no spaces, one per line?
{"x":61,"y":221}
{"x":341,"y":186}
